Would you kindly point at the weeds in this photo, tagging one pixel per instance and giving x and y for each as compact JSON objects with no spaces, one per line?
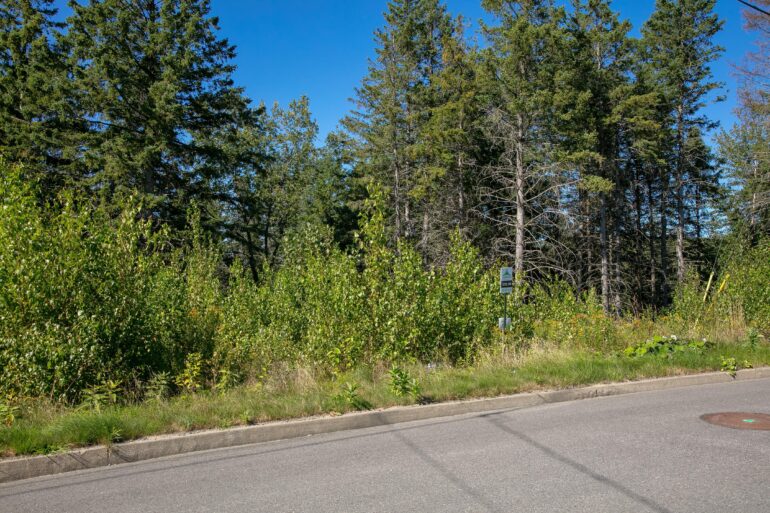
{"x":729,"y":365}
{"x":8,"y":414}
{"x":158,"y":387}
{"x":43,"y":427}
{"x":402,"y":384}
{"x":665,"y":346}
{"x":189,"y":380}
{"x":350,"y":397}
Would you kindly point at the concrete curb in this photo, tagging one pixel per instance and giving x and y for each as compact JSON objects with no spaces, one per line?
{"x":24,"y":468}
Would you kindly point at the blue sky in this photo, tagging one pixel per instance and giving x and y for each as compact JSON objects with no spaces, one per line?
{"x":320,"y":48}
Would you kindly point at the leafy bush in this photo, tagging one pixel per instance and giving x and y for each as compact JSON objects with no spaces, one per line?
{"x":190,"y":379}
{"x":665,"y":346}
{"x":104,"y":394}
{"x":737,"y":298}
{"x":87,"y":295}
{"x":8,"y":413}
{"x":402,"y":383}
{"x":91,"y":297}
{"x":332,"y":310}
{"x":350,"y":397}
{"x":751,"y":286}
{"x":158,"y":387}
{"x":572,"y":321}
{"x":729,"y":365}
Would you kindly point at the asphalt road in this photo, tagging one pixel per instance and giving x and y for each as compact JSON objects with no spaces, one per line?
{"x":633,"y":453}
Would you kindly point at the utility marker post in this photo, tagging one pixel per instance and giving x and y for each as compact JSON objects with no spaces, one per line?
{"x":506,"y":288}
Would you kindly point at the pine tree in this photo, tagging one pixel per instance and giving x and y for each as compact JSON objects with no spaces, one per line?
{"x":641,"y":116}
{"x":593,"y":83}
{"x":755,"y":71}
{"x":393,"y":105}
{"x":745,"y":148}
{"x":517,"y":74}
{"x":679,"y":36}
{"x":279,"y":183}
{"x":33,"y":108}
{"x":153,"y":83}
{"x":451,"y":146}
{"x":745,"y":152}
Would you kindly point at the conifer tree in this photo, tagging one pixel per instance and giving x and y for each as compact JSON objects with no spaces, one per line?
{"x":745,"y":148}
{"x":679,"y":36}
{"x":452,"y":147}
{"x":393,"y":105}
{"x":33,"y":107}
{"x":153,"y":83}
{"x":593,"y":84}
{"x":518,"y":70}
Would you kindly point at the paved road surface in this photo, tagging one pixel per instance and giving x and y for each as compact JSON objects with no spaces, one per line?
{"x":646,"y":452}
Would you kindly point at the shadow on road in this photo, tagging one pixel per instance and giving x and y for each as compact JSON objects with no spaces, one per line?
{"x":493,"y":418}
{"x":461,"y":485}
{"x":46,"y":483}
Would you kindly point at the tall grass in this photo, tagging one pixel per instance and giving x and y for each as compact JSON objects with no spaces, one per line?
{"x":44,"y":427}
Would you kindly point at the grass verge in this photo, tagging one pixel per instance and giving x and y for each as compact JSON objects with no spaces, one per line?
{"x":42,"y":428}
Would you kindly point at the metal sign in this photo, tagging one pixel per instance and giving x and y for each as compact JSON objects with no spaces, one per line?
{"x":506,"y":280}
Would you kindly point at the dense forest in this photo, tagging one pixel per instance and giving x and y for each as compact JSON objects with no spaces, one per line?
{"x":157,"y":222}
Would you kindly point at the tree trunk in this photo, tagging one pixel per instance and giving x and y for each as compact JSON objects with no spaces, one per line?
{"x":680,"y":218}
{"x":651,"y":237}
{"x":424,"y":238}
{"x":397,"y":199}
{"x":664,"y":288}
{"x":520,"y":177}
{"x":639,"y":258}
{"x":605,"y":269}
{"x":616,"y":266}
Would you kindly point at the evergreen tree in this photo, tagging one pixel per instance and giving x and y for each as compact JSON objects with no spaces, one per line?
{"x":452,"y":146}
{"x":745,"y":149}
{"x":153,"y":83}
{"x":745,"y":152}
{"x":755,"y":71}
{"x":593,"y":84}
{"x":641,"y":115}
{"x":33,"y":108}
{"x":393,"y":105}
{"x":280,"y":183}
{"x":518,"y":81}
{"x":679,"y":36}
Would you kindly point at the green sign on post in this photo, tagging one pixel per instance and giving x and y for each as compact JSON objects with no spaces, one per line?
{"x":506,"y":288}
{"x":506,"y":280}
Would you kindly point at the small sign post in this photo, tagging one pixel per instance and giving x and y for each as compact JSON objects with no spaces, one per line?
{"x":506,"y":288}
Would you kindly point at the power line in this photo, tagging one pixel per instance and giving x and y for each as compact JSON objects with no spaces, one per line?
{"x":755,"y":7}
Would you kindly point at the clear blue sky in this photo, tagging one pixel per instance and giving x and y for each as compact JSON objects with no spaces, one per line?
{"x":320,"y":48}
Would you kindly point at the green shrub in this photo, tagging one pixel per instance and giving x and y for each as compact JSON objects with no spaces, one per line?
{"x":158,"y":387}
{"x":87,"y":295}
{"x":190,"y":380}
{"x":93,"y":296}
{"x":572,"y":321}
{"x":750,"y":286}
{"x":332,"y":310}
{"x":402,"y":384}
{"x":8,"y":414}
{"x":350,"y":398}
{"x":665,"y":346}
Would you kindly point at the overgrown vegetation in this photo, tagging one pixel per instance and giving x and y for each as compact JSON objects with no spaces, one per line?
{"x":44,"y":427}
{"x":172,"y":257}
{"x":106,"y":318}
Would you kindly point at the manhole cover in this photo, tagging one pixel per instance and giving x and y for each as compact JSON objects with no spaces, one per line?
{"x":739,"y":420}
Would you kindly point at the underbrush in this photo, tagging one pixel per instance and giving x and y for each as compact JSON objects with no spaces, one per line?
{"x":42,"y":427}
{"x":110,"y":328}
